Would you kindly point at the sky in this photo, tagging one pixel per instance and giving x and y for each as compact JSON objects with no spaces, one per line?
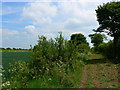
{"x":22,"y":22}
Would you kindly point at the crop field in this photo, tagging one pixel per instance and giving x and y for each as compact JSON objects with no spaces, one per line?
{"x":9,"y":57}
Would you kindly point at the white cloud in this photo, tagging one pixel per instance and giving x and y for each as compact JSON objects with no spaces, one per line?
{"x":40,"y":13}
{"x":48,"y":18}
{"x":9,"y":32}
{"x":68,"y":14}
{"x":65,"y":16}
{"x":30,"y":29}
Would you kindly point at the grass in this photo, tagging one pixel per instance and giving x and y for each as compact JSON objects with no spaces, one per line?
{"x":107,"y":72}
{"x":89,"y":83}
{"x":44,"y":83}
{"x":108,"y":75}
{"x":95,"y":56}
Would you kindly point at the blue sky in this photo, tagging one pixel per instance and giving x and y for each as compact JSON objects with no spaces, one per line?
{"x":22,"y":22}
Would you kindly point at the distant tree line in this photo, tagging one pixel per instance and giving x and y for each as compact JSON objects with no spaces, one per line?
{"x":13,"y":49}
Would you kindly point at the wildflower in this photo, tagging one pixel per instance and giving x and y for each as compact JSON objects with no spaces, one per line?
{"x":49,"y":79}
{"x":0,"y":74}
{"x":3,"y":84}
{"x":47,"y":69}
{"x":7,"y":83}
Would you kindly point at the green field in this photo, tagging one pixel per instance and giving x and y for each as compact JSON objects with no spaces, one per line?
{"x":9,"y":57}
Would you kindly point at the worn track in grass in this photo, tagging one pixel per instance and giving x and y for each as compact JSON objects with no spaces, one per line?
{"x":104,"y":74}
{"x":85,"y":77}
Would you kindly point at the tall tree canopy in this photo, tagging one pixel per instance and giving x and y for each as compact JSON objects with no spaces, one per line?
{"x":108,"y":16}
{"x":78,"y":39}
{"x":96,"y":38}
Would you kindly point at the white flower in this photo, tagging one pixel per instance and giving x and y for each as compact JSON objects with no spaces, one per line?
{"x":0,"y":74}
{"x":8,"y":83}
{"x":47,"y":69}
{"x":49,"y":79}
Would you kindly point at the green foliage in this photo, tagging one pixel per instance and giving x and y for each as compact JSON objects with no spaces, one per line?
{"x":8,"y":48}
{"x":108,"y":17}
{"x":10,"y":57}
{"x":78,"y":39}
{"x":54,"y":63}
{"x":118,"y":49}
{"x":62,"y":76}
{"x":96,"y":38}
{"x":107,"y":49}
{"x":48,"y":51}
{"x":57,"y":59}
{"x":19,"y":73}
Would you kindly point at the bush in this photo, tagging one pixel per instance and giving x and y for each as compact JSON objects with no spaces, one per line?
{"x":61,"y":76}
{"x":49,"y":51}
{"x":19,"y":75}
{"x":107,"y":49}
{"x":118,"y":49}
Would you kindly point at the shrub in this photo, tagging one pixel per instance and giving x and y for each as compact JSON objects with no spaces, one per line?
{"x":106,"y":49}
{"x":19,"y":75}
{"x":49,"y":51}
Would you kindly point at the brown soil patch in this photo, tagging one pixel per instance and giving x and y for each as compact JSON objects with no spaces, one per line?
{"x":110,"y":73}
{"x":85,"y":77}
{"x":95,"y":77}
{"x":105,"y":76}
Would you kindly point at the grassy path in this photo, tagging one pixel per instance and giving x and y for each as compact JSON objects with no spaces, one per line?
{"x":85,"y":77}
{"x":99,"y":73}
{"x":96,"y":81}
{"x":89,"y":82}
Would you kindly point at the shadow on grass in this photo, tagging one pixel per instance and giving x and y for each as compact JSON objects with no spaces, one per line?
{"x":101,"y":60}
{"x":95,"y":61}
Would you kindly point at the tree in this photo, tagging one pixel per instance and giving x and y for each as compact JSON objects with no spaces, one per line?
{"x":14,"y":48}
{"x":97,"y":38}
{"x":78,"y":39}
{"x":8,"y":48}
{"x":108,"y":16}
{"x":30,"y":47}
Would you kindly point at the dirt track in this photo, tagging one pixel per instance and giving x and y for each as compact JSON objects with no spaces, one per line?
{"x":103,"y":74}
{"x":85,"y":77}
